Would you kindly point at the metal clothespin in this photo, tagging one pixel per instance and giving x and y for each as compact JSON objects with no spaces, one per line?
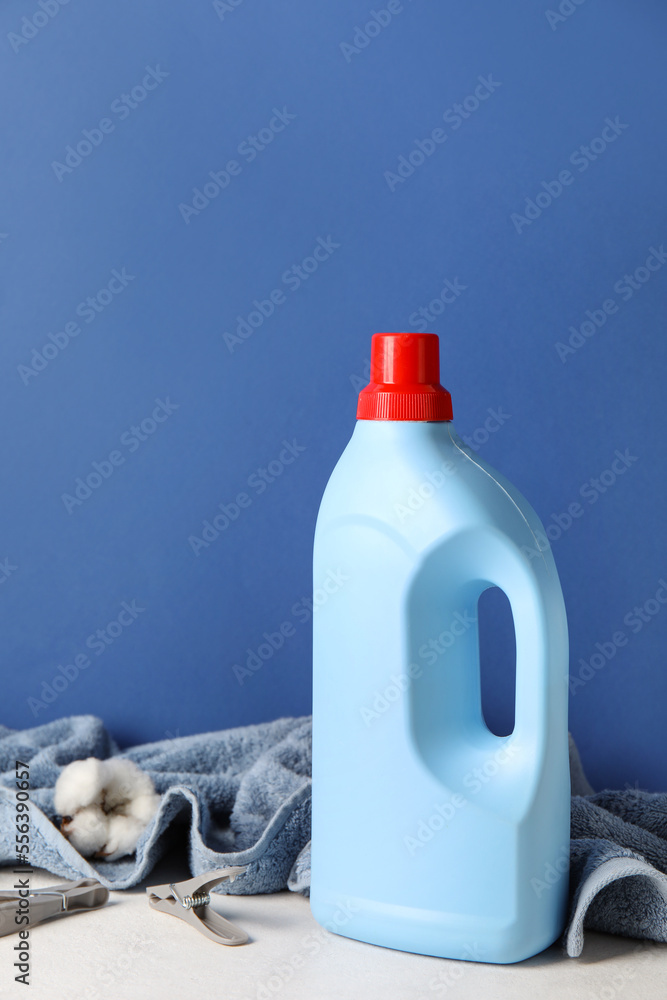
{"x":51,"y":901}
{"x":190,"y":900}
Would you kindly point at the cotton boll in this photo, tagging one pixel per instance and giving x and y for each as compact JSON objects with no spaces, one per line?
{"x":105,"y":804}
{"x":79,"y":784}
{"x":144,"y":807}
{"x":87,"y":830}
{"x":123,"y":781}
{"x":122,"y":836}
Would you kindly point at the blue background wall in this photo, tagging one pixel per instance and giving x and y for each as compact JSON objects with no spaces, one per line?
{"x":220,"y":73}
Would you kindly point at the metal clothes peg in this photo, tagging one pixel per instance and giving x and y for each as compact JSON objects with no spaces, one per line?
{"x":190,"y":900}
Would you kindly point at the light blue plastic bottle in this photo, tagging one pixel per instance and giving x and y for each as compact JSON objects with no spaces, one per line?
{"x":430,"y":833}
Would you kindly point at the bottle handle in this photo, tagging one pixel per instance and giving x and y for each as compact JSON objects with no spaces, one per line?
{"x":446,"y":716}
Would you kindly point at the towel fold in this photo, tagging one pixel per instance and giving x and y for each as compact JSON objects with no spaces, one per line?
{"x":242,"y":797}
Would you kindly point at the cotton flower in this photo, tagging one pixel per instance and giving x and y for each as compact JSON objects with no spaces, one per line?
{"x":105,"y":805}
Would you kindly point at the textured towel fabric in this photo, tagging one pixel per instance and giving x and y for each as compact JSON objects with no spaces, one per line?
{"x":242,"y":796}
{"x":618,"y":862}
{"x":236,"y":797}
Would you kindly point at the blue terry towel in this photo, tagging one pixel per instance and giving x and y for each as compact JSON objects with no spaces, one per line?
{"x":618,"y":844}
{"x":242,"y":797}
{"x":235,"y":797}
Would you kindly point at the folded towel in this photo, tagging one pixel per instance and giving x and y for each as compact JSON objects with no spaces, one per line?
{"x":618,"y":862}
{"x":242,"y":797}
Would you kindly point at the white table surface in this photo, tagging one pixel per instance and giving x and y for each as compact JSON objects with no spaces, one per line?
{"x":127,"y":950}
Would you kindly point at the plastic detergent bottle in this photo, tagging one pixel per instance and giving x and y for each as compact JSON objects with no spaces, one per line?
{"x":431,"y":834}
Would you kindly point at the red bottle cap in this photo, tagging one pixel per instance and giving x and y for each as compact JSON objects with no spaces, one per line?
{"x":405,"y":379}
